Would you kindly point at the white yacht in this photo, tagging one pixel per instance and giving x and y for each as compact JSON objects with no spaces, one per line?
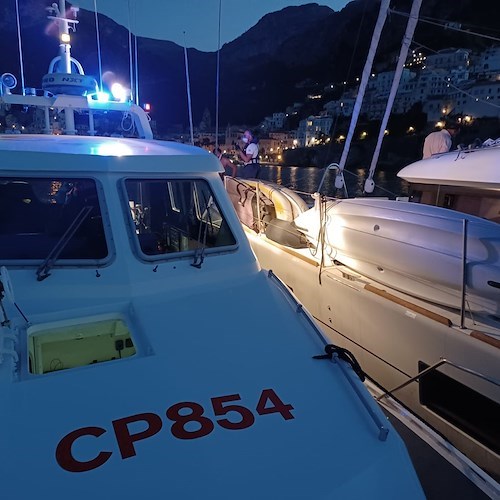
{"x":466,"y":180}
{"x":143,"y":351}
{"x":412,"y":290}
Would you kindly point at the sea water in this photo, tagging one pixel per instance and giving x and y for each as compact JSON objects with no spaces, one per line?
{"x":307,"y":180}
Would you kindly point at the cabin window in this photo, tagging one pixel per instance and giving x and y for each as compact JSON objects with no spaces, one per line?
{"x":61,"y":347}
{"x":462,"y":406}
{"x":416,"y":196}
{"x":176,"y":215}
{"x":449,"y":201}
{"x":55,"y":216}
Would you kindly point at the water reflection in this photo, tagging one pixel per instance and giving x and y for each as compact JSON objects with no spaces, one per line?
{"x":307,"y":179}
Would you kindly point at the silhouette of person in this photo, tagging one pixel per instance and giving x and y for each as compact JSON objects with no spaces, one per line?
{"x":249,"y":155}
{"x":440,"y":141}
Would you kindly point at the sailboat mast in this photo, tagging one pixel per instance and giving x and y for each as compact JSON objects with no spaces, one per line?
{"x":367,"y":70}
{"x":64,"y":46}
{"x":217,"y":83}
{"x":407,"y":38}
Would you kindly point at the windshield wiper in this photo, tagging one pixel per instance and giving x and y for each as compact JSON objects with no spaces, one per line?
{"x":199,"y":254}
{"x":43,"y":270}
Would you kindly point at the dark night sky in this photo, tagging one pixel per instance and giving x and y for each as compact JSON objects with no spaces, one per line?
{"x":193,"y":23}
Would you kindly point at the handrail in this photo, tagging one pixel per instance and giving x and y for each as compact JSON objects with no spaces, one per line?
{"x":364,"y":398}
{"x":463,"y":290}
{"x":433,"y":367}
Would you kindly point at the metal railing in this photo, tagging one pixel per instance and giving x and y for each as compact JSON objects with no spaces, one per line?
{"x":364,"y":397}
{"x":433,"y":367}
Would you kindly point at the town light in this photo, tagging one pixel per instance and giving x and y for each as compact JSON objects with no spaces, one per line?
{"x":65,"y":38}
{"x":147,"y":106}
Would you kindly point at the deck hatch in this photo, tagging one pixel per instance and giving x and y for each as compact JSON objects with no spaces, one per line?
{"x":61,"y":347}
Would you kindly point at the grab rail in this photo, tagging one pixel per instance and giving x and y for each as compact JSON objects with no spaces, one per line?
{"x":464,"y":274}
{"x":433,"y":367}
{"x":365,"y":398}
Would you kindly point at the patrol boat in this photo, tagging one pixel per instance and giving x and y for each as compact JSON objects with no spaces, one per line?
{"x":143,"y":351}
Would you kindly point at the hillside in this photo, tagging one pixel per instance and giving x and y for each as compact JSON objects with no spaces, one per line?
{"x":283,"y":58}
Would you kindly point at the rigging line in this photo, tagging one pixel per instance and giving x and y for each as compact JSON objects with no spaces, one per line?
{"x":190,"y":112}
{"x":130,"y":61}
{"x":462,"y":91}
{"x":136,"y":51}
{"x":21,"y":62}
{"x":384,"y":6}
{"x":405,"y":45}
{"x":357,"y":40}
{"x":457,"y":22}
{"x":333,"y":129}
{"x":217,"y":83}
{"x":449,"y":27}
{"x":98,"y":44}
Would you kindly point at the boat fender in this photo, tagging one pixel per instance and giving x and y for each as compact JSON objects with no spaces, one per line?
{"x":285,"y":233}
{"x":345,"y":355}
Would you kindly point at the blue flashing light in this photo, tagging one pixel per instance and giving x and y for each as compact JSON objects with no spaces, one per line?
{"x":102,"y":97}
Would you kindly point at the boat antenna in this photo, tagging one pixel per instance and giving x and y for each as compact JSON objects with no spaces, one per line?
{"x":131,"y":63}
{"x":21,"y":63}
{"x":188,"y":90}
{"x":217,"y":82}
{"x":382,"y":15}
{"x":98,"y":44}
{"x":136,"y":50}
{"x":403,"y":54}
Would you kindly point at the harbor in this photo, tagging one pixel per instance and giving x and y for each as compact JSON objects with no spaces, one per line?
{"x":321,"y":329}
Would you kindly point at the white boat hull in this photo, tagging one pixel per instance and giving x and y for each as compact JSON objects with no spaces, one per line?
{"x":475,"y":168}
{"x":413,"y":248}
{"x":390,"y":336}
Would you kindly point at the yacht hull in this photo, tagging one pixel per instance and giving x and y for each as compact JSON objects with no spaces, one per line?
{"x":394,"y":336}
{"x":413,"y":248}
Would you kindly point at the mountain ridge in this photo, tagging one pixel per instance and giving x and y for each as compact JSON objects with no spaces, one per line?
{"x":287,"y":55}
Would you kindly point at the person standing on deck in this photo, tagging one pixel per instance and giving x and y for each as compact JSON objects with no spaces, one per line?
{"x":249,"y":155}
{"x":440,"y":141}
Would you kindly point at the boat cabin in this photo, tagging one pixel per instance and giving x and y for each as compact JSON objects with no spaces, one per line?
{"x":466,"y":181}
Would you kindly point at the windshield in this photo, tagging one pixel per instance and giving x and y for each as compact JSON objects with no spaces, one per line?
{"x":171,"y":216}
{"x":35,"y":213}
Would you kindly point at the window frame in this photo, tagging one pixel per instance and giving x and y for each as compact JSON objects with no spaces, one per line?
{"x":183,"y":254}
{"x":105,"y":217}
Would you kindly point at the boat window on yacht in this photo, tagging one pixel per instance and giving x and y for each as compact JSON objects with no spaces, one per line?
{"x":176,"y":215}
{"x":41,"y":215}
{"x":465,"y":408}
